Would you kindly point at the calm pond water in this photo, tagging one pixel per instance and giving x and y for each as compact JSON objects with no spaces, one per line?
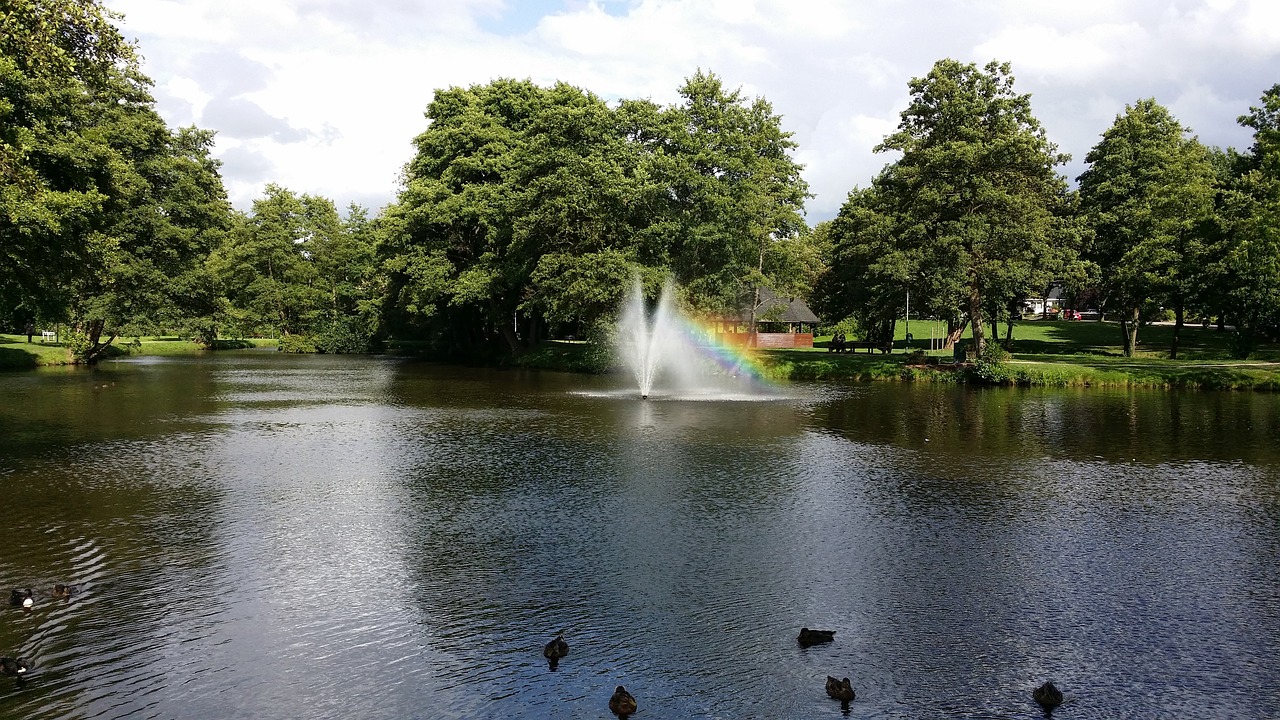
{"x":265,"y":536}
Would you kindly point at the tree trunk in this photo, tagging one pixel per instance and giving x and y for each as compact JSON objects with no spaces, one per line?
{"x":1179,"y":315}
{"x":751,"y":328}
{"x":954,"y":331}
{"x":96,"y":348}
{"x":533,"y":333}
{"x":1129,"y":326}
{"x":975,"y":317}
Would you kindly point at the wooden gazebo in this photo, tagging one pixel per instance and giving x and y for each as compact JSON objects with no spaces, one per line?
{"x":781,"y":322}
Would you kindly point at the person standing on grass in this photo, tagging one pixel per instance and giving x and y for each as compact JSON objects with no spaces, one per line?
{"x":31,"y":330}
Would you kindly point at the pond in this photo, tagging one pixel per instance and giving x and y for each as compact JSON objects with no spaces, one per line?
{"x":267,"y":536}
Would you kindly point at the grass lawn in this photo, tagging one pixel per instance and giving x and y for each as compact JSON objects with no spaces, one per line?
{"x":17,"y":354}
{"x":1061,"y":353}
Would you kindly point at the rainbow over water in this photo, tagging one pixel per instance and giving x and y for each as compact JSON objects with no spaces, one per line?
{"x":732,"y":359}
{"x":671,"y":354}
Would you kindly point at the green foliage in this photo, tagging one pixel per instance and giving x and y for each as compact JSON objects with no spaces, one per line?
{"x":1248,"y":230}
{"x":298,"y":344}
{"x":992,"y":366}
{"x":972,"y":216}
{"x":1147,"y":194}
{"x":78,"y":345}
{"x":293,"y":267}
{"x":339,"y":335}
{"x":528,"y":208}
{"x":105,"y":214}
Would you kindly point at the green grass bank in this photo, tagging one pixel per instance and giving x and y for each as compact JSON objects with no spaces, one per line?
{"x":1044,"y":354}
{"x":17,"y":354}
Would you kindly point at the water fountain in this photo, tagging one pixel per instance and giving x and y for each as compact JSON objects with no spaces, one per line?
{"x":667,"y":354}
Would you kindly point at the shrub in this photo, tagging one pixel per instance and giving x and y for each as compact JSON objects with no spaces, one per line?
{"x":297,"y":344}
{"x":992,"y":366}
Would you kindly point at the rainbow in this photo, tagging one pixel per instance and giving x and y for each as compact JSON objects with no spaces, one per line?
{"x":734,"y":360}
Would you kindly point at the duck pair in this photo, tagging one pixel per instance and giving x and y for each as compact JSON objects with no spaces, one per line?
{"x":621,"y":703}
{"x":21,"y":597}
{"x":841,"y":690}
{"x":13,"y":666}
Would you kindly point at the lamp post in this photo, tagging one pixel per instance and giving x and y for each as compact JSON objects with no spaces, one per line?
{"x":907,"y":343}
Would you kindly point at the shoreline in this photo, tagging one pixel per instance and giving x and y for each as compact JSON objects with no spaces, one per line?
{"x":1090,"y":370}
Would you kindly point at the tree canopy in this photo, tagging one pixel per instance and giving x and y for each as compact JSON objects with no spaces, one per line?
{"x":527,"y":205}
{"x":526,"y":210}
{"x":106,"y":215}
{"x":1147,"y":195}
{"x":971,"y":217}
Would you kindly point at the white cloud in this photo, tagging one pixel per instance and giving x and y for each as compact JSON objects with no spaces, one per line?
{"x":1079,"y":55}
{"x":325,"y":96}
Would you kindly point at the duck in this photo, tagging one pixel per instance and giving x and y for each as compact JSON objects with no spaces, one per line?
{"x":62,"y":592}
{"x":556,"y":649}
{"x":839,"y":689}
{"x":622,"y":703}
{"x":21,"y":596}
{"x":13,"y":666}
{"x":1048,"y":696}
{"x":809,"y":637}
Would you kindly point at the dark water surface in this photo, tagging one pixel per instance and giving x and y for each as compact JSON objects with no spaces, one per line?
{"x":262,"y":536}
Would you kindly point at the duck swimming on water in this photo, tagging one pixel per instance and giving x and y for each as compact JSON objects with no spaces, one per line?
{"x":622,"y":703}
{"x":839,"y":689}
{"x":21,"y":596}
{"x":809,"y":637}
{"x":13,"y":666}
{"x":555,"y":650}
{"x":1048,"y":696}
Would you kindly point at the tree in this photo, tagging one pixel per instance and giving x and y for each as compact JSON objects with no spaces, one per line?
{"x":1248,"y":228}
{"x":107,"y":214}
{"x":519,"y":196}
{"x":1147,"y":195}
{"x":506,"y":174}
{"x":868,"y":268}
{"x":972,"y":216}
{"x":294,"y":269}
{"x":736,"y":188}
{"x":53,"y":55}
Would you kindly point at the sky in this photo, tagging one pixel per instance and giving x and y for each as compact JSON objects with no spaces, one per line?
{"x":324,"y":97}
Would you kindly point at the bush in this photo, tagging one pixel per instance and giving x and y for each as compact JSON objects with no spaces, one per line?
{"x":343,"y":335}
{"x":297,"y":344}
{"x":992,"y":366}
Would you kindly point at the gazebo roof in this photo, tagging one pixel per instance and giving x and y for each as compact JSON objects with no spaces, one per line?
{"x":776,"y":308}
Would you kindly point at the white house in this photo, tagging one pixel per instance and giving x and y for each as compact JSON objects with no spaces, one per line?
{"x":1051,"y":302}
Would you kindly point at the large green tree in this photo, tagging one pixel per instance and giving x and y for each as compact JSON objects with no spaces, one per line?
{"x":1147,"y":196}
{"x":1249,"y":229}
{"x":736,"y":190}
{"x":526,"y":206}
{"x":105,"y":214}
{"x":971,"y":217}
{"x":53,"y":54}
{"x":509,"y":180}
{"x":295,"y":269}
